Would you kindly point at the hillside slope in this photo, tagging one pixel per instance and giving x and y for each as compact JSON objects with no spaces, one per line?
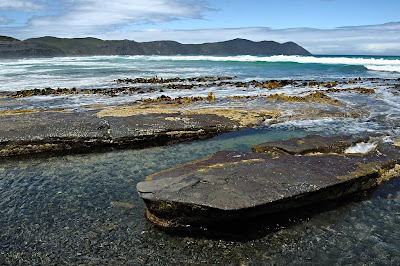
{"x":52,"y":46}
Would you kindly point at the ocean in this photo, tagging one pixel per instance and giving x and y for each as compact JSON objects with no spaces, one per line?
{"x":100,"y":71}
{"x":84,"y":208}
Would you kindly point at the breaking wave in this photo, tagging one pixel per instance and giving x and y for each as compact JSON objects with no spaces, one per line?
{"x":370,"y":63}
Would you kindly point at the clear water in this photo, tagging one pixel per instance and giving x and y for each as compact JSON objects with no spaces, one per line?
{"x":62,"y":210}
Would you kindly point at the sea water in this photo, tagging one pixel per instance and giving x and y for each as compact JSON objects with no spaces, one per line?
{"x":84,"y":209}
{"x":100,"y":71}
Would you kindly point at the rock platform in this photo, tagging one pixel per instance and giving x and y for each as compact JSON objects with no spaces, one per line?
{"x":230,"y":185}
{"x":54,"y":132}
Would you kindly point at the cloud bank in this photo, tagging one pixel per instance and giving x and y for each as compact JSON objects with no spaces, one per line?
{"x":362,"y":40}
{"x":24,"y":5}
{"x":86,"y":17}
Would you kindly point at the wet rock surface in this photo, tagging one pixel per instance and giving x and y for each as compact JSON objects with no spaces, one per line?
{"x":174,"y":113}
{"x":232,"y":186}
{"x":40,"y":132}
{"x":310,"y":144}
{"x":50,"y":125}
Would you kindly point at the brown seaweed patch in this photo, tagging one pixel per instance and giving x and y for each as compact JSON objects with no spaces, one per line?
{"x":358,"y":90}
{"x":45,"y":91}
{"x":272,"y":84}
{"x":389,"y":174}
{"x":284,"y":98}
{"x":179,"y":86}
{"x":239,"y":97}
{"x":318,"y":97}
{"x":179,"y":100}
{"x":157,"y":80}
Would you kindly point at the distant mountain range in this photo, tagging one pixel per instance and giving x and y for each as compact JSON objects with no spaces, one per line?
{"x":52,"y":46}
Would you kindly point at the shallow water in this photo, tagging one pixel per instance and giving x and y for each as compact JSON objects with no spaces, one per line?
{"x":85,"y":209}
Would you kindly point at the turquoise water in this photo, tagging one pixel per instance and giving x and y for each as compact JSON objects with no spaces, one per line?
{"x":100,"y":71}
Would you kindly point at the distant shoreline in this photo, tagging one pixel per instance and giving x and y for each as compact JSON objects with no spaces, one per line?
{"x":55,"y":47}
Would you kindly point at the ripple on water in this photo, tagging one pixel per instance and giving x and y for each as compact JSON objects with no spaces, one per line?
{"x":85,"y":209}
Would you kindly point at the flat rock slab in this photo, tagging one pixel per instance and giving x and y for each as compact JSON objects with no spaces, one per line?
{"x":310,"y":144}
{"x":47,"y":125}
{"x":231,"y":185}
{"x":60,"y":132}
{"x":175,"y":123}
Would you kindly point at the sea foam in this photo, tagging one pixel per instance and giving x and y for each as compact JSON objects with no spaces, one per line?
{"x":361,"y":148}
{"x":376,"y":64}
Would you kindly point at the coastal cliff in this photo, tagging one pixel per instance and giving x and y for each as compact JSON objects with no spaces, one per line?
{"x":52,"y":46}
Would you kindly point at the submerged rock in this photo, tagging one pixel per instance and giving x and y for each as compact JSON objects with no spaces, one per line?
{"x":229,"y":185}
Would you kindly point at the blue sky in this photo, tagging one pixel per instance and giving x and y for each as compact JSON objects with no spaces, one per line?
{"x":321,"y":26}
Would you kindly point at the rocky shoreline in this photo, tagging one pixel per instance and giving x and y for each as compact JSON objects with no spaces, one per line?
{"x":289,"y":199}
{"x":276,"y":177}
{"x":163,"y":119}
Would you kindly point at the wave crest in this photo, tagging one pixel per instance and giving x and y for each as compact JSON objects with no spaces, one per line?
{"x":375,"y":64}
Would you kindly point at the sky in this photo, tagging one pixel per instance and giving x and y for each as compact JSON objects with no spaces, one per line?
{"x":359,"y":27}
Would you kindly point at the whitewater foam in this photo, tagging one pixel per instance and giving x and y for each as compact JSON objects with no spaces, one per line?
{"x":388,"y":68}
{"x":331,"y":125}
{"x":361,"y":148}
{"x":377,"y":64}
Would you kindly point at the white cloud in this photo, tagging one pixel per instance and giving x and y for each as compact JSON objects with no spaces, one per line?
{"x":375,"y":39}
{"x":23,"y":5}
{"x":88,"y":16}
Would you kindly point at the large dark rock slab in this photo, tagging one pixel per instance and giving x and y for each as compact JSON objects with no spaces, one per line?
{"x":60,"y":132}
{"x":234,"y":185}
{"x":50,"y":125}
{"x":50,"y":132}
